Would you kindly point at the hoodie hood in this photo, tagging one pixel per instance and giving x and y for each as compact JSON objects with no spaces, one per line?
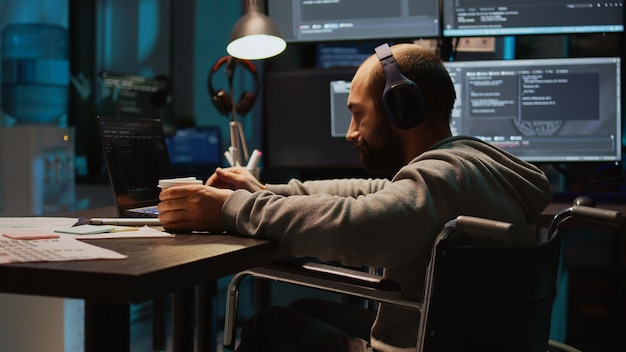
{"x":523,"y":181}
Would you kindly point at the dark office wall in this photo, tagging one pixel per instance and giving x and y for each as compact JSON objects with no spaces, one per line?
{"x":82,"y":104}
{"x":180,"y":39}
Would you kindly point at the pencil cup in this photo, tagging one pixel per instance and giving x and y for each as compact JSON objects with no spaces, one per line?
{"x":256,"y":172}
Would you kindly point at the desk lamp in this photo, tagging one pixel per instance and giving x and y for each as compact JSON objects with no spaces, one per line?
{"x":254,"y":37}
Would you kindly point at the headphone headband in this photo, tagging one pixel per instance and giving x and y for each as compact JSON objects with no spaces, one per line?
{"x":402,"y":97}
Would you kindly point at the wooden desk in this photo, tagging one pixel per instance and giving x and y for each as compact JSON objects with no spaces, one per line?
{"x":154,"y":267}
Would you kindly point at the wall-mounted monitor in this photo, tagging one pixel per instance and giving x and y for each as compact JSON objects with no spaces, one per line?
{"x":542,"y":110}
{"x":307,"y":119}
{"x":521,"y":17}
{"x":133,"y":95}
{"x":349,"y":20}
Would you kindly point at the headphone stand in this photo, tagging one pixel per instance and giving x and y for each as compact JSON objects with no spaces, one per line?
{"x":237,"y":144}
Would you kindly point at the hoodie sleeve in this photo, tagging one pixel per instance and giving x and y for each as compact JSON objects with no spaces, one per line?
{"x":338,"y":187}
{"x":385,"y":224}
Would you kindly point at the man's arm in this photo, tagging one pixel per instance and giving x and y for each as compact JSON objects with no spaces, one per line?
{"x":338,"y":187}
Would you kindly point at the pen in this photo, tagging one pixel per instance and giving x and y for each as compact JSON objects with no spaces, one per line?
{"x":254,"y":159}
{"x":125,"y":221}
{"x":234,"y":154}
{"x":124,"y":229}
{"x":229,"y":158}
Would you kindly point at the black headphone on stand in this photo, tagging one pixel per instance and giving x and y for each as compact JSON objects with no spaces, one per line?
{"x":221,"y":99}
{"x":402,"y":97}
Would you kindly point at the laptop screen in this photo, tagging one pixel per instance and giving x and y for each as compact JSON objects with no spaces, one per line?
{"x":136,"y":158}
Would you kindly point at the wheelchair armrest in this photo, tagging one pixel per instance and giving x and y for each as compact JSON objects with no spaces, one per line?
{"x":352,"y":276}
{"x":597,"y":215}
{"x":335,"y":279}
{"x":580,"y":214}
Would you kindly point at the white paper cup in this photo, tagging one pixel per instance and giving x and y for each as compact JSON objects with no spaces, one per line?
{"x":182,"y":181}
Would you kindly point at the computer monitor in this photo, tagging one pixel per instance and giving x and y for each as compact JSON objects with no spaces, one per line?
{"x":349,"y":20}
{"x":195,"y":151}
{"x":521,"y":17}
{"x":133,"y":95}
{"x":542,"y":110}
{"x":301,"y":106}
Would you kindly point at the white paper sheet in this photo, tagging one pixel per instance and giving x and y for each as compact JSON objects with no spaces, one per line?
{"x":51,"y":224}
{"x":64,"y":247}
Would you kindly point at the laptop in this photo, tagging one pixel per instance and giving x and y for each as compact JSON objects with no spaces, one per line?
{"x":136,"y":157}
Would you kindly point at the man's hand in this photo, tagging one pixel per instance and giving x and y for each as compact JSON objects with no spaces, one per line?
{"x":235,"y":178}
{"x":192,"y":208}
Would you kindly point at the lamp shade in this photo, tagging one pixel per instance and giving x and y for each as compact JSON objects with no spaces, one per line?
{"x":255,"y":37}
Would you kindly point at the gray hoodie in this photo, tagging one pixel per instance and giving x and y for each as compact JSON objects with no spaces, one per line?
{"x":392,"y":224}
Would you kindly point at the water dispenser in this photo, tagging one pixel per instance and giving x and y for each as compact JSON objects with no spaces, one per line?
{"x":36,"y":154}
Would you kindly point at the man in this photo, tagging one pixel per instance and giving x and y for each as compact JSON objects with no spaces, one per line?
{"x":400,"y":126}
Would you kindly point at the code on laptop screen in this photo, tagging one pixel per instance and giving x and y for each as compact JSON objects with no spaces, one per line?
{"x":136,"y":157}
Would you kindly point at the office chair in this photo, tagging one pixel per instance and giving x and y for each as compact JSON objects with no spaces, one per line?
{"x":479,"y":295}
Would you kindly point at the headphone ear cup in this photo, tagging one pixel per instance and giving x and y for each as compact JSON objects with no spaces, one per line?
{"x":405,"y":105}
{"x":222,"y":102}
{"x":245,"y":103}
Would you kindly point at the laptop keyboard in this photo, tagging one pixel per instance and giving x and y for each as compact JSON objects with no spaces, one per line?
{"x":150,"y":211}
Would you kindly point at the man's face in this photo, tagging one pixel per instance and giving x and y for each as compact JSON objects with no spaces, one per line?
{"x":370,"y":131}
